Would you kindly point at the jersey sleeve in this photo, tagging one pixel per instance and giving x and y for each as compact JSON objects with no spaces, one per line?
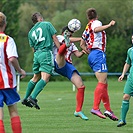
{"x":95,"y":24}
{"x":52,"y":29}
{"x":74,"y":47}
{"x":128,"y":60}
{"x":30,"y":40}
{"x":11,"y":49}
{"x":60,"y":38}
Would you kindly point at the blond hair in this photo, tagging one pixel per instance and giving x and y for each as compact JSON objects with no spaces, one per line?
{"x":2,"y":19}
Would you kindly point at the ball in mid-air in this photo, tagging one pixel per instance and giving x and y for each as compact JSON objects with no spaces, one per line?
{"x":74,"y":25}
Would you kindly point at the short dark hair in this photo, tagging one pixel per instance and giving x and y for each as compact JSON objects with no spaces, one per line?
{"x":35,"y":17}
{"x":66,"y":28}
{"x":91,"y":13}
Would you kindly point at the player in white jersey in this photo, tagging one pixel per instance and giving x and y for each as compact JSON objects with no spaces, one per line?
{"x":94,"y":42}
{"x":8,"y":64}
{"x":64,"y":66}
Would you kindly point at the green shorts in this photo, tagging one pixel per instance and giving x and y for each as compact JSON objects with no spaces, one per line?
{"x":128,"y":89}
{"x":43,"y":62}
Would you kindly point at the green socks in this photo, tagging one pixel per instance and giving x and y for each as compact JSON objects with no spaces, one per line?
{"x":38,"y":88}
{"x":29,"y":89}
{"x":124,"y":109}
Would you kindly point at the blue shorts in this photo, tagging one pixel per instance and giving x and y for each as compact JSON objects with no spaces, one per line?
{"x":66,"y":71}
{"x":9,"y":97}
{"x":97,"y":61}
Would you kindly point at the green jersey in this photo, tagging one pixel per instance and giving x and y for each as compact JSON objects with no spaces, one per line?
{"x":129,"y":59}
{"x":128,"y":89}
{"x":40,"y":36}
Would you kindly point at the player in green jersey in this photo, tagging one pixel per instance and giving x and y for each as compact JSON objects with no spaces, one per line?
{"x":41,"y":38}
{"x":128,"y":89}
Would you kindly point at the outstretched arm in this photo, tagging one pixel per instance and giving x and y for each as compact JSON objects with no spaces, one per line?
{"x":101,"y":28}
{"x":125,"y":69}
{"x":75,"y":39}
{"x":84,"y":46}
{"x":78,"y":53}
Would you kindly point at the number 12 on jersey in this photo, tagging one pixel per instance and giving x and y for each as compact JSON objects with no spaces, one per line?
{"x":36,"y":32}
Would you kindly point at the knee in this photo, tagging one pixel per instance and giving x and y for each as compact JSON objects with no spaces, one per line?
{"x":82,"y":87}
{"x":35,"y":78}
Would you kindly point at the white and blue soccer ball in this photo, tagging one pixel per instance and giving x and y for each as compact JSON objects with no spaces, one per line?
{"x":74,"y":25}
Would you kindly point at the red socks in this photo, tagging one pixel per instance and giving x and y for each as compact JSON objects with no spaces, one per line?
{"x":105,"y":98}
{"x":2,"y":130}
{"x":101,"y":93}
{"x":62,"y":49}
{"x":16,"y":124}
{"x":80,"y":98}
{"x":98,"y":96}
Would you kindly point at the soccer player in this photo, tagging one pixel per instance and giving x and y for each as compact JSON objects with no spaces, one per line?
{"x":94,"y":42}
{"x":41,"y":37}
{"x":8,"y":92}
{"x":64,"y":66}
{"x":128,"y":89}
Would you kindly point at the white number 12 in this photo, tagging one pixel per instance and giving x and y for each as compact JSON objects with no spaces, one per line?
{"x":40,"y":35}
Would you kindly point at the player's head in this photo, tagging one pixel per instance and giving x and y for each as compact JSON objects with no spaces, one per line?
{"x":66,"y":28}
{"x":36,"y":17}
{"x":2,"y":20}
{"x":91,"y":13}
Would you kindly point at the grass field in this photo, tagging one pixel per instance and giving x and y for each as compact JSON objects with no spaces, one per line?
{"x":57,"y":102}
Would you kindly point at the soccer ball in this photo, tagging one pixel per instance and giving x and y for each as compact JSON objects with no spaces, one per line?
{"x":74,"y":25}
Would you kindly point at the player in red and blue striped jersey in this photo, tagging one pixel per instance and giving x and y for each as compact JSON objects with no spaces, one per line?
{"x":64,"y":66}
{"x":94,"y":42}
{"x":8,"y":92}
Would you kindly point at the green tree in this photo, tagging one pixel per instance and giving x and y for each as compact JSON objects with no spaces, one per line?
{"x":59,"y":12}
{"x":10,"y":9}
{"x":118,"y":36}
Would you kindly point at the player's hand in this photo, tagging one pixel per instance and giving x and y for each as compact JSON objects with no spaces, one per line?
{"x":83,"y":51}
{"x":22,"y":73}
{"x":112,"y":23}
{"x":120,"y":78}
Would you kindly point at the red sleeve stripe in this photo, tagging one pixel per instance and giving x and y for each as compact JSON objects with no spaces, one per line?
{"x":10,"y":76}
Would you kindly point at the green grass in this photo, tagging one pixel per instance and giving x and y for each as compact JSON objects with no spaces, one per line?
{"x":57,"y":102}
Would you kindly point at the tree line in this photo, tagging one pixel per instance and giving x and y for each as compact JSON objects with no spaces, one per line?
{"x":59,"y":12}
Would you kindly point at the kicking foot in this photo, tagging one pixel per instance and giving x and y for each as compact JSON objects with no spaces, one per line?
{"x":33,"y":102}
{"x":26,"y":103}
{"x":81,"y":115}
{"x":98,"y":113}
{"x":66,"y":37}
{"x":111,"y":115}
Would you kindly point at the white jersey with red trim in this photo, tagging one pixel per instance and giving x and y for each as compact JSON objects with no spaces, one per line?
{"x":69,"y":51}
{"x":7,"y":71}
{"x":94,"y":40}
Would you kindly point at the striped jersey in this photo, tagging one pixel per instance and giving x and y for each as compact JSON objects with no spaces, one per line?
{"x":7,"y":71}
{"x":92,"y":39}
{"x":69,"y":51}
